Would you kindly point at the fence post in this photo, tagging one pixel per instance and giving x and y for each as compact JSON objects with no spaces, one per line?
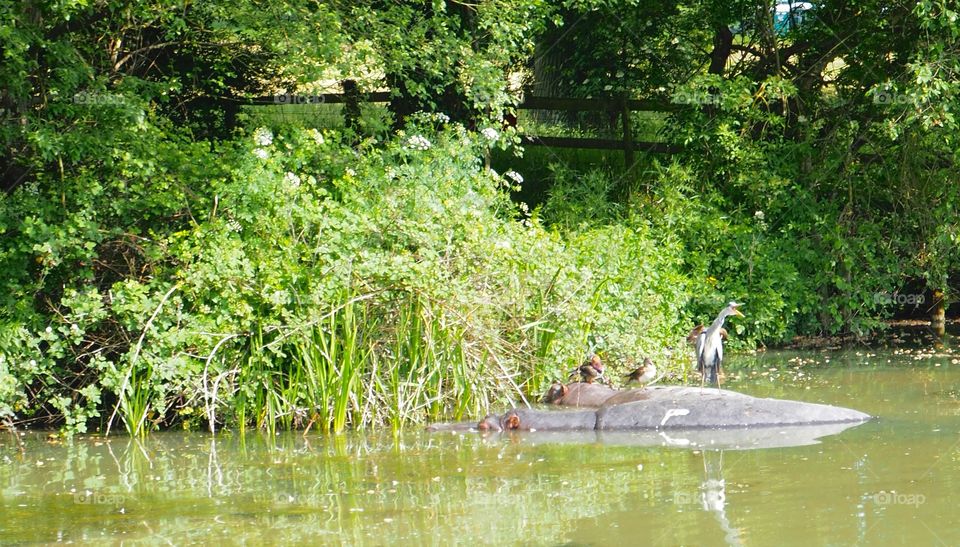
{"x":629,"y":154}
{"x":628,"y":151}
{"x":351,"y":105}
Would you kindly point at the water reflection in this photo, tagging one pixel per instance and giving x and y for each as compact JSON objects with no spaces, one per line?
{"x":713,"y":494}
{"x":712,"y":439}
{"x":888,"y":481}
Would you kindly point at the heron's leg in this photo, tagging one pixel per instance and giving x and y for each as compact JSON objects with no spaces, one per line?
{"x":719,"y":386}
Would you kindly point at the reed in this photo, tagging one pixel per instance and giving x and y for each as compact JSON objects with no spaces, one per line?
{"x":365,"y":362}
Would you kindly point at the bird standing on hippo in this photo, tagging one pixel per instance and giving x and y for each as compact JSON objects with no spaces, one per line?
{"x":709,"y":345}
{"x":644,"y":374}
{"x":591,"y":369}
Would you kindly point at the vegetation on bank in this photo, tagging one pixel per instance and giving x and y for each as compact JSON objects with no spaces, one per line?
{"x":168,"y":259}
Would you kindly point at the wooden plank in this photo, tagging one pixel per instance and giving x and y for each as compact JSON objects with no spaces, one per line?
{"x":609,"y":105}
{"x":601,"y":144}
{"x":529,"y":103}
{"x":320,"y":98}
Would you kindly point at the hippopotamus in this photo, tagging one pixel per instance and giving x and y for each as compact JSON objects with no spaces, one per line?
{"x":579,"y":394}
{"x":527,"y":419}
{"x":668,"y":407}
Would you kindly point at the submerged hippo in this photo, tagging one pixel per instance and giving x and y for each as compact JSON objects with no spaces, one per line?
{"x":527,"y":419}
{"x":667,"y":407}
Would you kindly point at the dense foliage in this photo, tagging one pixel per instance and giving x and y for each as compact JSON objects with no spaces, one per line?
{"x":168,"y":257}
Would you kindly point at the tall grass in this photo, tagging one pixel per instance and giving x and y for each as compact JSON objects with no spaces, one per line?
{"x":371,"y":359}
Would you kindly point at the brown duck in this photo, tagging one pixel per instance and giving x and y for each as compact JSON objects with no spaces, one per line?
{"x":644,"y":374}
{"x":590,"y":370}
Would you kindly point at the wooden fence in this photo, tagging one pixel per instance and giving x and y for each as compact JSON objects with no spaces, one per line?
{"x":351,"y":100}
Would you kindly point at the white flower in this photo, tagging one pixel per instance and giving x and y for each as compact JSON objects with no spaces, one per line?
{"x":513,"y":175}
{"x":758,"y":215}
{"x":49,"y":330}
{"x":263,"y":136}
{"x":278,"y":297}
{"x":490,"y":133}
{"x":293,"y":179}
{"x":441,"y":117}
{"x":317,"y":136}
{"x":233,"y":225}
{"x":261,"y":153}
{"x":418,"y":142}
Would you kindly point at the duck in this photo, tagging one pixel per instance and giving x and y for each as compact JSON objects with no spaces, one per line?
{"x":644,"y":374}
{"x":695,"y":333}
{"x":590,"y":370}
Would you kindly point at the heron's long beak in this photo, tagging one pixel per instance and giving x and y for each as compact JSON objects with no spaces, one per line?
{"x":737,"y":312}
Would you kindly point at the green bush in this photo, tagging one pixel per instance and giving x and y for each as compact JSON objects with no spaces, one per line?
{"x":319,"y":284}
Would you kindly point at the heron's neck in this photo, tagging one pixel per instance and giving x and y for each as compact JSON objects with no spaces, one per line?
{"x":718,"y":322}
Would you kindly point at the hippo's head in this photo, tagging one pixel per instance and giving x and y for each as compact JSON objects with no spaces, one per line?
{"x":492,"y":422}
{"x":556,"y":392}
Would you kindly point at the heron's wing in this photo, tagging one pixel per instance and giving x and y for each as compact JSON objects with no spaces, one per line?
{"x":719,"y":355}
{"x":710,"y":354}
{"x":701,"y":341}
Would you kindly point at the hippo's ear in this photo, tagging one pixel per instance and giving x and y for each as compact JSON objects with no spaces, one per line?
{"x":512,"y":422}
{"x":564,"y":389}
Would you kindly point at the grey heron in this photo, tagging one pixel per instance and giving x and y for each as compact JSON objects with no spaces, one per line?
{"x":709,"y":343}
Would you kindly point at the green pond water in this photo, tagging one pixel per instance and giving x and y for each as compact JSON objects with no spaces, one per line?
{"x":893,"y":480}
